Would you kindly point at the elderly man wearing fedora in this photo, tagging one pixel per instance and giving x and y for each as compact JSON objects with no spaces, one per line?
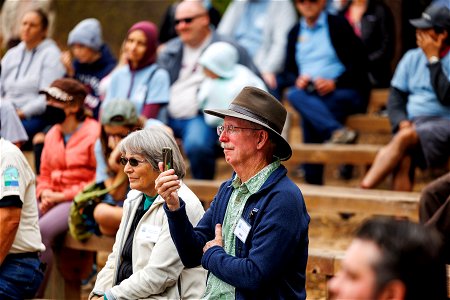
{"x":254,"y":238}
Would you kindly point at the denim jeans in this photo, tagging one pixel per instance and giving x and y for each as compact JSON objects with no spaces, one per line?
{"x":20,"y":277}
{"x":320,"y":116}
{"x":199,"y":143}
{"x":34,"y":125}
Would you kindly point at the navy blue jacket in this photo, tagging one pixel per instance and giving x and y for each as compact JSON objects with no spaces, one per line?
{"x":272,"y":262}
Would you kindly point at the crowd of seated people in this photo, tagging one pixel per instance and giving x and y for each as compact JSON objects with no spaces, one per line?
{"x":324,"y":64}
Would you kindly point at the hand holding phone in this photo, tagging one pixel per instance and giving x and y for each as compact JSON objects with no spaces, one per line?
{"x":167,"y":158}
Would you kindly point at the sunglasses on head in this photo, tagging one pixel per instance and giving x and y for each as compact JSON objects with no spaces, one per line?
{"x":133,"y":161}
{"x":188,"y":20}
{"x":303,"y":1}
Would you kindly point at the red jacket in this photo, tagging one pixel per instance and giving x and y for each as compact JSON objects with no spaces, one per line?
{"x":68,"y":168}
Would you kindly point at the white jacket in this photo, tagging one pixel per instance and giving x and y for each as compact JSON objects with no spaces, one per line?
{"x":156,"y":264}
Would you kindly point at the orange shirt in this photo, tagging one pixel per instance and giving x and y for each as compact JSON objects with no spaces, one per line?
{"x":67,"y":168}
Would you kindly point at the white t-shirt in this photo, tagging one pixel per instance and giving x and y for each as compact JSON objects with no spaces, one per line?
{"x":183,"y":102}
{"x":17,"y":179}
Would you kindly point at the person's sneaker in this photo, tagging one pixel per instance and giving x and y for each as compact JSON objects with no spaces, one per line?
{"x":343,"y":136}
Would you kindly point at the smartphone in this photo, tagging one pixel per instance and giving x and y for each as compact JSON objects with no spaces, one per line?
{"x":167,"y":158}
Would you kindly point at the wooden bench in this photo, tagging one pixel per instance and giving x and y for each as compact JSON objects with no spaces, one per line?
{"x":358,"y":154}
{"x":324,"y":261}
{"x":372,"y":125}
{"x":368,"y":123}
{"x":73,"y":261}
{"x":378,"y":100}
{"x":327,"y":199}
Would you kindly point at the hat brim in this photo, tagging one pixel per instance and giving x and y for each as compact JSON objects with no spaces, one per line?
{"x":283,"y":149}
{"x":46,"y":93}
{"x":421,"y":23}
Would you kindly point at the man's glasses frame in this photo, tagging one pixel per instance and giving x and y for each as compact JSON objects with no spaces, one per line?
{"x":134,"y":162}
{"x":188,"y":20}
{"x":230,"y":129}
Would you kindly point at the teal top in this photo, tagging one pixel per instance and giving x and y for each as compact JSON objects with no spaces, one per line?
{"x":149,"y":201}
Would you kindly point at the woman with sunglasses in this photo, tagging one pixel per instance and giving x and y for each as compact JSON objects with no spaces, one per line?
{"x":144,"y":262}
{"x":118,"y":118}
{"x":141,"y":81}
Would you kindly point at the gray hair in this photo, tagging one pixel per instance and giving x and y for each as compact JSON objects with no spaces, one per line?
{"x":149,"y":142}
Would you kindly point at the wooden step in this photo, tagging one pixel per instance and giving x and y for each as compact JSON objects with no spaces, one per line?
{"x":369,"y":123}
{"x":378,"y":99}
{"x":327,"y":199}
{"x":333,"y":154}
{"x":324,"y":261}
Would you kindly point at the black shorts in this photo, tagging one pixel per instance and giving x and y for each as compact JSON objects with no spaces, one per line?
{"x":434,"y":137}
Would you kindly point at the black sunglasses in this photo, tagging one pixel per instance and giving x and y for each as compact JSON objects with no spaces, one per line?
{"x":188,"y":20}
{"x":133,"y":161}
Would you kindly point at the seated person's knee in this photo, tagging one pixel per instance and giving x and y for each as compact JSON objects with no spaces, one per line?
{"x":101,"y":214}
{"x":407,"y":135}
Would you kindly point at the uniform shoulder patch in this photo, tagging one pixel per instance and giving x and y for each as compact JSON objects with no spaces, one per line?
{"x":10,"y":177}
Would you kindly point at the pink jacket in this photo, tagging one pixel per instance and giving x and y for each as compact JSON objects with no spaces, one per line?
{"x":68,"y":168}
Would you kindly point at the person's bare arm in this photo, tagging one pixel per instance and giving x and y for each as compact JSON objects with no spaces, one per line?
{"x":9,"y":223}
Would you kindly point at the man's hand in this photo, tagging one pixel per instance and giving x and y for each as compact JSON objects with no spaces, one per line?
{"x":324,"y":86}
{"x":428,"y":44}
{"x":167,"y":185}
{"x":217,"y":241}
{"x":302,"y":81}
{"x":114,"y":160}
{"x":66,"y":60}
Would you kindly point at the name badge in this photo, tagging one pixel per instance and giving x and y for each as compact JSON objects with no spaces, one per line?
{"x":149,"y":232}
{"x":242,"y":229}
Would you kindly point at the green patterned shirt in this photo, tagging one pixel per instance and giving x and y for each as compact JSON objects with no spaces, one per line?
{"x":216,"y":288}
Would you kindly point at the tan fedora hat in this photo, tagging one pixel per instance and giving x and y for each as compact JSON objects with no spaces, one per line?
{"x":257,"y":106}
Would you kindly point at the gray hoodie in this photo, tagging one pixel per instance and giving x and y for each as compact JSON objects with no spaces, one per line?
{"x":25,"y":72}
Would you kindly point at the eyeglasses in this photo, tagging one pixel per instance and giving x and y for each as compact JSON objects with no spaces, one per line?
{"x":230,"y":129}
{"x":188,"y":20}
{"x":133,"y":161}
{"x":303,"y":1}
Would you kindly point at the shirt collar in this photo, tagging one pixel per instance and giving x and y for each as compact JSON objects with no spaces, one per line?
{"x":321,"y":21}
{"x":254,"y":184}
